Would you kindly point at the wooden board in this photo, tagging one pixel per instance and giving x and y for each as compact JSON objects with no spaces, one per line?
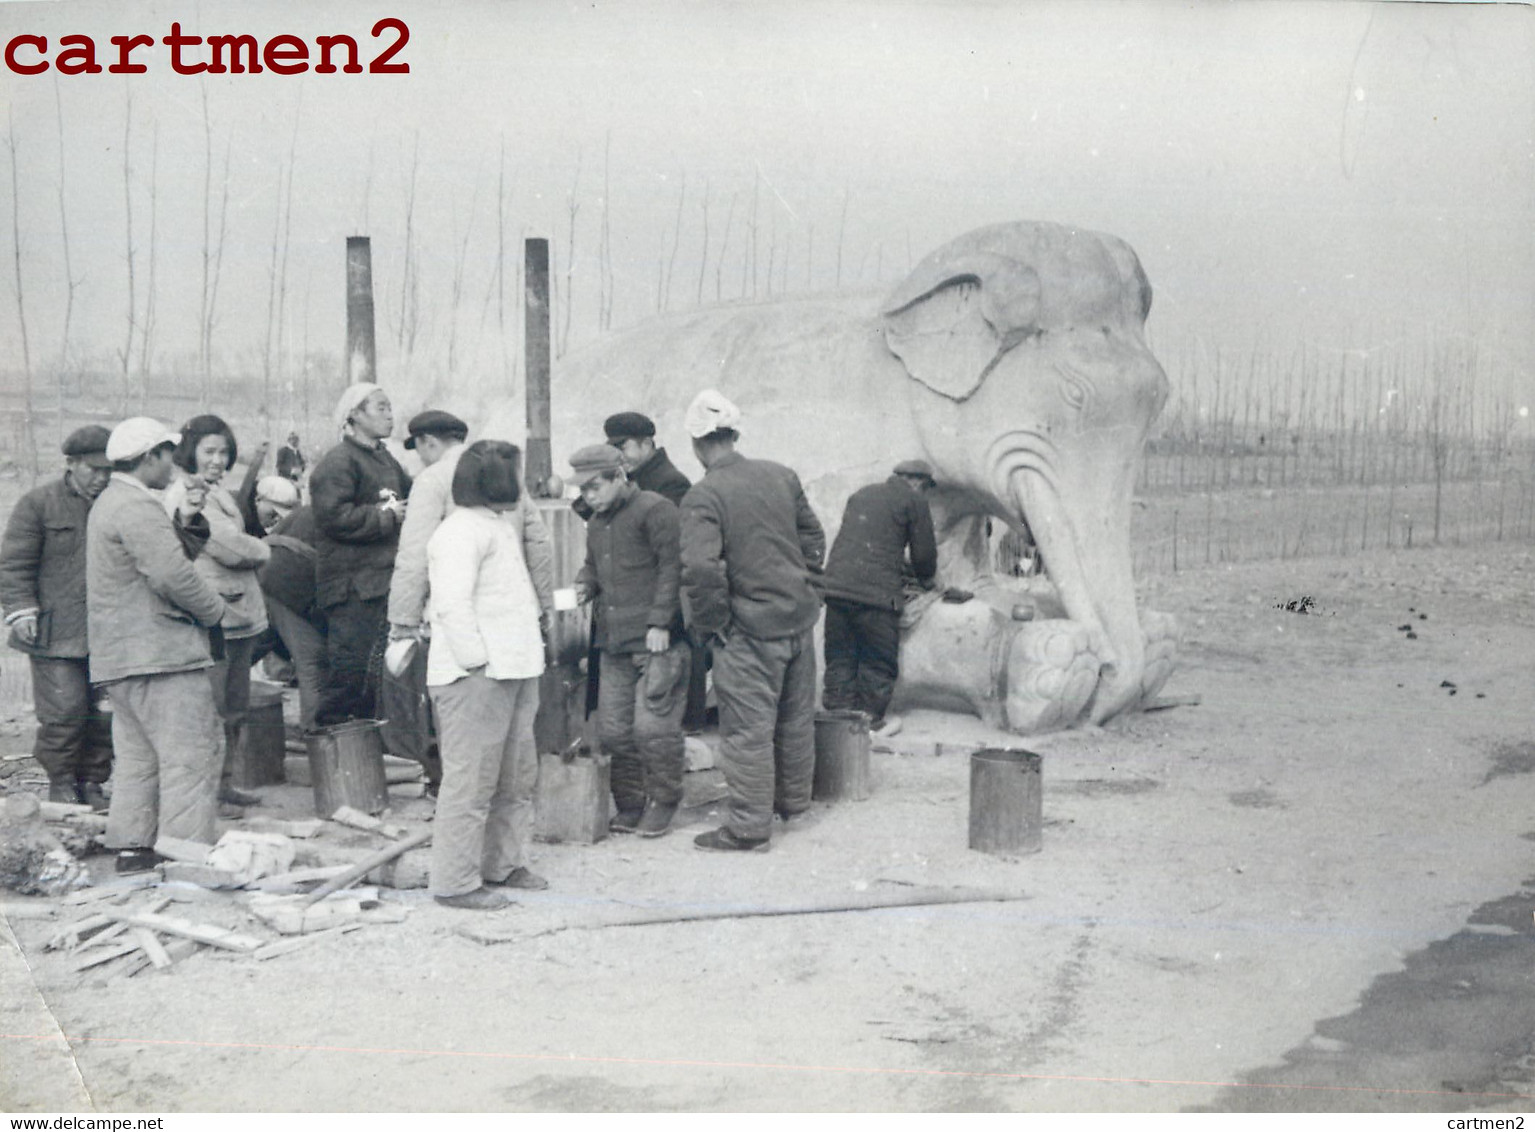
{"x":200,"y":933}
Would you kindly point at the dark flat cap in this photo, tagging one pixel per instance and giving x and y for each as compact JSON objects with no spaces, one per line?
{"x":622,"y":426}
{"x":434,"y":422}
{"x":590,"y":462}
{"x":89,"y":442}
{"x":915,"y":468}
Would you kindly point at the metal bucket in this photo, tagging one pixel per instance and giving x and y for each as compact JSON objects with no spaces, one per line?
{"x":258,"y":757}
{"x":346,"y":764}
{"x":841,"y":757}
{"x":1006,"y":800}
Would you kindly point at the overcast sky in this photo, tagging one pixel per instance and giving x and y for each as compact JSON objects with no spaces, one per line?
{"x":1345,"y":175}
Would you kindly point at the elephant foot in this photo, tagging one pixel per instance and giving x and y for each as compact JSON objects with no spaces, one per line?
{"x":1050,"y":676}
{"x":1163,"y":637}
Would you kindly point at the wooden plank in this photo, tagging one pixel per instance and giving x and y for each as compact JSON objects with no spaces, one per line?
{"x":201,"y":933}
{"x":69,"y":935}
{"x":295,"y":880}
{"x":204,"y":876}
{"x":298,"y":829}
{"x":363,"y":867}
{"x":111,"y":889}
{"x":58,"y":811}
{"x":152,"y":947}
{"x":95,"y":957}
{"x":356,"y":819}
{"x":14,"y":910}
{"x":117,"y":929}
{"x":177,"y":949}
{"x":293,"y":943}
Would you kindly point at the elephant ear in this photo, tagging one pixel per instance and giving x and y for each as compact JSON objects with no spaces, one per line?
{"x":950,"y":321}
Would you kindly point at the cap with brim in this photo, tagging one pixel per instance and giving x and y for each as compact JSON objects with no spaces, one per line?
{"x":89,"y":443}
{"x":915,"y":468}
{"x":136,"y":436}
{"x":434,"y":422}
{"x":628,"y":426}
{"x":277,"y":491}
{"x":590,"y":462}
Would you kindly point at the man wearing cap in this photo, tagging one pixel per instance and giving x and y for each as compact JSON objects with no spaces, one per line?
{"x":631,"y":577}
{"x":438,"y":439}
{"x":358,"y":491}
{"x":750,"y":547}
{"x":148,"y":615}
{"x":651,"y":469}
{"x":865,"y":588}
{"x":42,"y":588}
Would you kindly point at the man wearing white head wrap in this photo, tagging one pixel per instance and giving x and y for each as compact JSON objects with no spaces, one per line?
{"x":358,"y":491}
{"x":351,"y":399}
{"x":750,"y":545}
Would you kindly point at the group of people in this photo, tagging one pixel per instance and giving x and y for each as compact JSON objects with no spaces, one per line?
{"x":430,"y":602}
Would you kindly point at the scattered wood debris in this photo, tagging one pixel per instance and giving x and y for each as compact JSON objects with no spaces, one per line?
{"x":356,"y":819}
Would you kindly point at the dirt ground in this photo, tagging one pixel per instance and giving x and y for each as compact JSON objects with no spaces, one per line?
{"x":1217,"y":881}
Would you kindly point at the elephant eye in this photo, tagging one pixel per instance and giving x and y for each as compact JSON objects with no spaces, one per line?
{"x":1074,"y":388}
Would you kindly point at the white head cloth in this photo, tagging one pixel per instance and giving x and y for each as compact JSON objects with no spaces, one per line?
{"x":710,"y":411}
{"x":356,"y":394}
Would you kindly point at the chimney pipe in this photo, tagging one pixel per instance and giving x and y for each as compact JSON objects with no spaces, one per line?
{"x":538,"y":463}
{"x":361,"y":360}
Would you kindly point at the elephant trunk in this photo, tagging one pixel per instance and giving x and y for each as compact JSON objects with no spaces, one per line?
{"x":1079,"y":513}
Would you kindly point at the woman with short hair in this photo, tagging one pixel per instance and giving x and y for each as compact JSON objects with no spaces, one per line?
{"x":229,"y":562}
{"x":488,"y":567}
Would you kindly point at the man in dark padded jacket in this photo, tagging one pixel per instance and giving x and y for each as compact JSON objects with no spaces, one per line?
{"x":358,"y":491}
{"x":865,"y":588}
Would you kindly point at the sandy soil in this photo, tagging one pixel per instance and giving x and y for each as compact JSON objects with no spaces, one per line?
{"x":1215,"y":880}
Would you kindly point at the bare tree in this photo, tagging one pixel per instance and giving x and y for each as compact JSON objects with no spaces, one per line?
{"x":126,"y":354}
{"x":682,"y":190}
{"x":70,"y":282}
{"x":146,"y":338}
{"x":271,"y":288}
{"x":842,"y":233}
{"x":605,"y":251}
{"x":30,"y":456}
{"x":202,"y":313}
{"x":282,"y":272}
{"x":458,"y":274}
{"x":407,"y":328}
{"x":572,"y":206}
{"x":703,"y":259}
{"x":719,"y":266}
{"x":217,"y":272}
{"x":749,"y":256}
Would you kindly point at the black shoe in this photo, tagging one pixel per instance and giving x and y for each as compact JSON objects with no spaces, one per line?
{"x":524,"y":878}
{"x":94,"y":796}
{"x":480,"y":900}
{"x":658,"y":819}
{"x":722,"y":839}
{"x":791,"y":817}
{"x":66,"y":792}
{"x":238,"y":797}
{"x":137,"y":861}
{"x":625,"y":821}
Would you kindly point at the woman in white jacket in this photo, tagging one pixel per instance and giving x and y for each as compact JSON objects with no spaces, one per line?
{"x":489,"y":571}
{"x":229,"y":561}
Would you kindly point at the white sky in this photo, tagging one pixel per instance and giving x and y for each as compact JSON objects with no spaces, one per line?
{"x":1346,"y":175}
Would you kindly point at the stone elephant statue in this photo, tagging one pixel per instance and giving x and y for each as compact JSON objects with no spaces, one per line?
{"x":1013,"y":360}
